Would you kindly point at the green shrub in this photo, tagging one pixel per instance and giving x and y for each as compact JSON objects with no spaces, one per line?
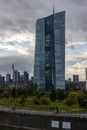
{"x":69,"y":101}
{"x":44,"y":100}
{"x":11,"y":99}
{"x":20,"y":99}
{"x":53,"y":95}
{"x":5,"y":94}
{"x":82,"y":98}
{"x":36,"y":101}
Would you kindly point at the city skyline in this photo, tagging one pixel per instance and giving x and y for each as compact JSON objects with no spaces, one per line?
{"x":17,"y":33}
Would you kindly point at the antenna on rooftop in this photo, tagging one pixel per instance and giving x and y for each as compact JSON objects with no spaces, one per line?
{"x":53,"y":10}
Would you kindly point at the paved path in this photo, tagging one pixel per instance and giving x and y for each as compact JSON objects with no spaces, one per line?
{"x":53,"y":113}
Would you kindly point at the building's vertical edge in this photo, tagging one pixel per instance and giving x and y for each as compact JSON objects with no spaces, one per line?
{"x":39,"y":61}
{"x":59,"y":39}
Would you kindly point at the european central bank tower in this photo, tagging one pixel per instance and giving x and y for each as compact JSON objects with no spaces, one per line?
{"x":49,"y":64}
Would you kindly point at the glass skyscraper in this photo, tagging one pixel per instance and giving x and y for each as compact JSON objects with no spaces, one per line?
{"x":49,"y":64}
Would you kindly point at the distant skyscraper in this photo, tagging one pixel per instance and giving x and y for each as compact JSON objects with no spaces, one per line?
{"x":2,"y":79}
{"x":76,"y":78}
{"x":26,"y":76}
{"x":8,"y":78}
{"x":16,"y":77}
{"x":49,"y":65}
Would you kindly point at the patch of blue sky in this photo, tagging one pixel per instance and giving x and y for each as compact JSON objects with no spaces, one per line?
{"x":22,"y":43}
{"x":5,"y":52}
{"x":76,"y":49}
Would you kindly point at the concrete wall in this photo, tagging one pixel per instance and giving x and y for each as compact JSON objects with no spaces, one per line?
{"x":34,"y":121}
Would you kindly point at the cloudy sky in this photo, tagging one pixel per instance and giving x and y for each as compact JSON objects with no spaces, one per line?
{"x":17,"y":33}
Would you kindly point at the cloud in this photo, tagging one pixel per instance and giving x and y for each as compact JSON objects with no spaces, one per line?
{"x":17,"y":30}
{"x":21,"y":63}
{"x":20,"y":16}
{"x":18,"y":48}
{"x":76,"y":64}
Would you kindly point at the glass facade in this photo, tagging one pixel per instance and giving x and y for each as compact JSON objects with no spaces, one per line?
{"x":49,"y":66}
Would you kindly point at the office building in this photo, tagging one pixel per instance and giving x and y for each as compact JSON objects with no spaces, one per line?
{"x":75,"y":78}
{"x":49,"y":65}
{"x":26,"y":76}
{"x":2,"y":80}
{"x":8,"y":78}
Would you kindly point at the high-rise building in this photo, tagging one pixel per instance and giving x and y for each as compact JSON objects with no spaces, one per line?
{"x":49,"y":65}
{"x":8,"y":78}
{"x":16,"y":77}
{"x":26,"y":76}
{"x":2,"y":79}
{"x":75,"y":78}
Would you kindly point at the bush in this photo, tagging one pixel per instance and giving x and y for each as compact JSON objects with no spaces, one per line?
{"x":44,"y":100}
{"x":36,"y":101}
{"x":60,"y":94}
{"x":69,"y":101}
{"x":82,"y":98}
{"x":5,"y":94}
{"x":20,"y":100}
{"x":53,"y":95}
{"x":11,"y":100}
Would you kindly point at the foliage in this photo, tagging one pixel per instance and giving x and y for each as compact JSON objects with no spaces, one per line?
{"x":20,"y":100}
{"x":71,"y":98}
{"x":44,"y":100}
{"x":60,"y":94}
{"x":13,"y":92}
{"x":53,"y":95}
{"x":5,"y":94}
{"x":11,"y":99}
{"x":36,"y":101}
{"x":24,"y":92}
{"x":31,"y":89}
{"x":21,"y":91}
{"x":82,"y":98}
{"x":69,"y":101}
{"x":39,"y":94}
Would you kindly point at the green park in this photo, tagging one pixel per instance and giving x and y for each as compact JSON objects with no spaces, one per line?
{"x":71,"y":101}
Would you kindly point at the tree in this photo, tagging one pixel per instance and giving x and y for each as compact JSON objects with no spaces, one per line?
{"x":71,"y":99}
{"x":13,"y":92}
{"x":24,"y":92}
{"x":60,"y":94}
{"x":53,"y":95}
{"x":82,"y":98}
{"x":19,"y":91}
{"x":5,"y":94}
{"x":36,"y":101}
{"x":31,"y":89}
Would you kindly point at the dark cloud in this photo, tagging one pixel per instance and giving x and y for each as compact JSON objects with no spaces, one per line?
{"x":19,"y":16}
